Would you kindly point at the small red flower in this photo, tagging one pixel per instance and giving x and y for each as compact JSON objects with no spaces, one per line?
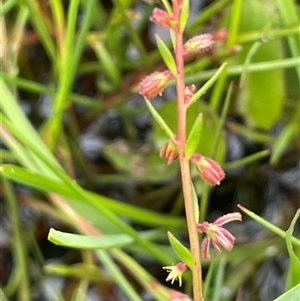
{"x":162,"y":18}
{"x":155,"y":83}
{"x":217,"y":234}
{"x":176,"y":271}
{"x":197,"y":44}
{"x":169,"y":151}
{"x":208,"y":169}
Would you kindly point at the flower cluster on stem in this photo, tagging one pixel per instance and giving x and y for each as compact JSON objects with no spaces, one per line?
{"x":176,"y":148}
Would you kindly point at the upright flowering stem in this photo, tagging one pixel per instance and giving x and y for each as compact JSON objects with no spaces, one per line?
{"x":184,"y":161}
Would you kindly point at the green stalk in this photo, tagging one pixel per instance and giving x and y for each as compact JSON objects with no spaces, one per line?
{"x":185,"y":162}
{"x":6,"y":7}
{"x":66,"y":76}
{"x":42,"y":27}
{"x":2,"y":295}
{"x":59,"y":25}
{"x":233,"y":31}
{"x":119,"y":277}
{"x":19,"y":246}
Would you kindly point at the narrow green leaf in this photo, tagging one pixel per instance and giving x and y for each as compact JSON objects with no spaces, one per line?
{"x":7,"y":6}
{"x":196,"y":203}
{"x":210,"y":123}
{"x":289,"y":13}
{"x":207,"y":85}
{"x":291,"y":295}
{"x":219,"y":279}
{"x":294,"y":268}
{"x":270,"y":226}
{"x":166,"y":54}
{"x":47,"y":184}
{"x":42,"y":27}
{"x":106,"y":60}
{"x":86,"y":242}
{"x":183,"y":253}
{"x":80,"y":43}
{"x":285,"y":138}
{"x":221,"y":122}
{"x":194,"y":136}
{"x":247,"y":160}
{"x":185,"y":10}
{"x":208,"y":278}
{"x":160,"y":120}
{"x":167,"y":6}
{"x":87,"y":271}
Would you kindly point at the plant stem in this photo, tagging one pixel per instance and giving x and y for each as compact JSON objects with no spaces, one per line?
{"x":185,"y":162}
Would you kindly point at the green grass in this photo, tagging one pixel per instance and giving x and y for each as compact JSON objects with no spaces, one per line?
{"x":42,"y":154}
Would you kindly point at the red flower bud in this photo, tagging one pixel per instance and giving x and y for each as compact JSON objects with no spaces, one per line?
{"x":169,"y":151}
{"x":200,"y":43}
{"x":208,"y":169}
{"x":162,"y":18}
{"x":188,"y":93}
{"x":155,"y":83}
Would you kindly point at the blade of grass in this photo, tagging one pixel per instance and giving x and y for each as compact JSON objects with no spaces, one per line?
{"x":219,"y":280}
{"x":210,"y":10}
{"x":19,"y":246}
{"x":86,"y":242}
{"x":47,"y":184}
{"x":132,"y":32}
{"x":53,"y":125}
{"x":17,"y":35}
{"x":85,"y":26}
{"x":145,"y":279}
{"x":49,"y":166}
{"x":208,"y":279}
{"x":247,"y":160}
{"x":221,"y":121}
{"x":11,"y":109}
{"x":285,"y":137}
{"x":7,"y":6}
{"x":28,"y":85}
{"x":163,"y":258}
{"x":208,"y":84}
{"x":238,"y":69}
{"x":294,"y":265}
{"x":288,"y":12}
{"x":42,"y":26}
{"x":233,"y":31}
{"x":119,"y":277}
{"x":270,"y":226}
{"x":58,"y":24}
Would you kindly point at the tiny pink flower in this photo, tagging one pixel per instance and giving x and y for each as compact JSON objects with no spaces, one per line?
{"x":163,"y":18}
{"x":199,"y":43}
{"x":155,"y":83}
{"x":169,"y":151}
{"x":176,"y":271}
{"x":188,"y":93}
{"x":216,"y":234}
{"x":208,"y":169}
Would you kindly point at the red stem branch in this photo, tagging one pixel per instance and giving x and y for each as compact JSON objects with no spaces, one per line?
{"x":185,"y":162}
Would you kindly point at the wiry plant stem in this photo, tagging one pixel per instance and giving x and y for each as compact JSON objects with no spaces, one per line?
{"x":185,"y":162}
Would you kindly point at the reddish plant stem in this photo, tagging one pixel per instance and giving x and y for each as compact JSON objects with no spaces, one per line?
{"x":185,"y":162}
